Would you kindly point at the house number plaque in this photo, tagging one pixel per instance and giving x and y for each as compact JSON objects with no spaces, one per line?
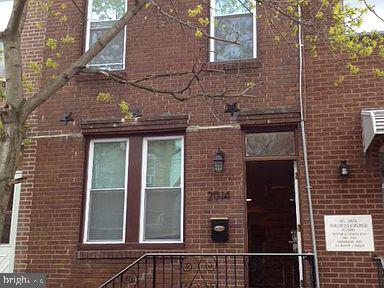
{"x":217,"y":195}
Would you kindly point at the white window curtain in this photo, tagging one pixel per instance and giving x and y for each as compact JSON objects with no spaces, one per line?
{"x":163,"y":191}
{"x":106,"y":197}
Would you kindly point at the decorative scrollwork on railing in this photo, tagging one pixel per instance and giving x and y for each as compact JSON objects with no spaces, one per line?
{"x":130,"y":279}
{"x":215,"y":271}
{"x":195,"y":271}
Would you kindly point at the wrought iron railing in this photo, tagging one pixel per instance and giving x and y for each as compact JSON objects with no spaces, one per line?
{"x":250,"y":270}
{"x":380,"y":270}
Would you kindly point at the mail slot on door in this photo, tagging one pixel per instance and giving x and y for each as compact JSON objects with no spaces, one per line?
{"x":219,"y":229}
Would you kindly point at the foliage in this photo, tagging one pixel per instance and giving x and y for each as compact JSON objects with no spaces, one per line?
{"x":104,"y":97}
{"x":124,"y":109}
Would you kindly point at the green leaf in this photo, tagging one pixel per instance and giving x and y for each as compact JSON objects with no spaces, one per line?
{"x":51,"y":43}
{"x":104,"y":97}
{"x":124,"y":109}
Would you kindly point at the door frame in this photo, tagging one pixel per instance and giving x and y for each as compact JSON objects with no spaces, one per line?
{"x":298,"y":222}
{"x":297,"y":205}
{"x":10,"y":248}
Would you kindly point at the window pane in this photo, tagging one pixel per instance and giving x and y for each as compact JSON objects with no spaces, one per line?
{"x":106,"y":214}
{"x":164,"y":163}
{"x":270,"y":144}
{"x":370,"y":20}
{"x":107,"y":9}
{"x":6,"y":10}
{"x":162,"y":214}
{"x":228,"y":7}
{"x":112,"y":56}
{"x":109,"y":165}
{"x":234,"y":28}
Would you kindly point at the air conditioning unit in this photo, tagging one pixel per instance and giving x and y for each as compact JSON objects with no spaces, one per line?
{"x":372,"y":125}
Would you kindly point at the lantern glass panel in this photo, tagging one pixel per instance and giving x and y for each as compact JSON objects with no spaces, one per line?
{"x":218,"y":166}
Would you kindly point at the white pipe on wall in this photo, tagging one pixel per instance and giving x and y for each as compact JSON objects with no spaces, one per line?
{"x":305,"y":153}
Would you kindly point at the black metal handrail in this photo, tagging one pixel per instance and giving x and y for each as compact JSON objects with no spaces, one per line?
{"x":216,"y":270}
{"x":380,"y":270}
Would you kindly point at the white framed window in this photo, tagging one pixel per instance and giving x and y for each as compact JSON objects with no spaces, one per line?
{"x":370,"y":22}
{"x":162,"y":194}
{"x":101,"y":16}
{"x":233,"y":20}
{"x":106,"y":199}
{"x":6,"y":11}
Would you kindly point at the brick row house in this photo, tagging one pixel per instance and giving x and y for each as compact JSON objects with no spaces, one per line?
{"x":206,"y":192}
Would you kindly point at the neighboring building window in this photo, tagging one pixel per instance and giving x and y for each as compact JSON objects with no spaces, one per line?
{"x":162,"y":196}
{"x":107,"y":191}
{"x":6,"y":11}
{"x":233,"y":20}
{"x":101,"y":16}
{"x":370,"y":22}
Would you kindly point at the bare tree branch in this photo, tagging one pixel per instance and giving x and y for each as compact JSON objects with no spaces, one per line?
{"x":189,"y":25}
{"x":181,"y":94}
{"x":78,"y":8}
{"x":370,"y":8}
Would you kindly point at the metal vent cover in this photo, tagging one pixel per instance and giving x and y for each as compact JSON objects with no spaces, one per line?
{"x":372,"y":125}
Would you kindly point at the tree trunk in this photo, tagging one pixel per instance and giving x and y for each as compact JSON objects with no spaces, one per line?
{"x":10,"y":149}
{"x":17,"y":109}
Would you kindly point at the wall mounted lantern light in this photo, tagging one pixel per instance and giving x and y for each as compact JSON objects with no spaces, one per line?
{"x":344,"y":169}
{"x":218,"y":161}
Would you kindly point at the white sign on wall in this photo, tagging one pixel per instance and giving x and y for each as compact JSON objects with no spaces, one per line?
{"x":352,"y":233}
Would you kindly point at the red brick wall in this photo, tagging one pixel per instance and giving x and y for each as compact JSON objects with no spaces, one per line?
{"x":33,"y":42}
{"x":51,"y":203}
{"x":334,"y":134}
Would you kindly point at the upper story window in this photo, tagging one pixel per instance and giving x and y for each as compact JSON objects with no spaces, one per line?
{"x":233,"y":20}
{"x":111,"y":214}
{"x":370,"y":21}
{"x":101,"y":16}
{"x":6,"y":10}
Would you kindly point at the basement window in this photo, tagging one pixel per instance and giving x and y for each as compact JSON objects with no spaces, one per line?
{"x":234,"y":21}
{"x":102,"y":15}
